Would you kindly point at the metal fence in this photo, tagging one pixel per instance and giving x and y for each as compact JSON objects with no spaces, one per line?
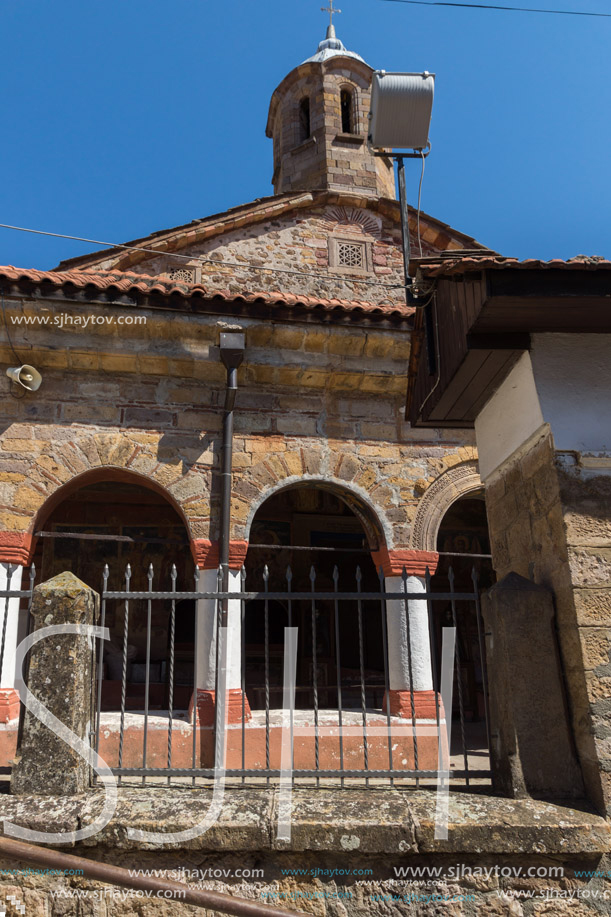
{"x":337,"y":716}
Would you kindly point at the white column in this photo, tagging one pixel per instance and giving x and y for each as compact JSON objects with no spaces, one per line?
{"x":398,"y":658}
{"x":9,"y":614}
{"x":205,"y":633}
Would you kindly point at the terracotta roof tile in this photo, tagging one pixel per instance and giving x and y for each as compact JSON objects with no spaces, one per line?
{"x":128,"y":281}
{"x":438,"y":267}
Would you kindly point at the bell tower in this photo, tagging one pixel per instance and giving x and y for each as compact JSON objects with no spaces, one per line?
{"x":318,"y":120}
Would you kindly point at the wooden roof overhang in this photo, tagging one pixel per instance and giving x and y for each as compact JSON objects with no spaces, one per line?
{"x":483,"y":321}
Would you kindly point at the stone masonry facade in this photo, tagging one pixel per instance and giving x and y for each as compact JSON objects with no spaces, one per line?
{"x":290,"y":244}
{"x":148,"y":400}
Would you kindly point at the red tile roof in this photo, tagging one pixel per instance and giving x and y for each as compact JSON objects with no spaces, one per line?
{"x":129,"y":282}
{"x":439,"y":267}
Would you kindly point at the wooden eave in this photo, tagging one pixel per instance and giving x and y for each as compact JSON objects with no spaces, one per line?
{"x":484,"y":321}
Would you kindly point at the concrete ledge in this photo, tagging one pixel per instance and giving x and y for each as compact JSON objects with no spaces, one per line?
{"x":350,"y":821}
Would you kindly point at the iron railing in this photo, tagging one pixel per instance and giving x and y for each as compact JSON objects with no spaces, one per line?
{"x":342,"y":729}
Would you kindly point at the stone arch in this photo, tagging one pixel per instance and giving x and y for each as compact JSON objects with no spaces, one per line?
{"x":377,"y":528}
{"x":104,"y":473}
{"x":180,"y":478}
{"x":447,"y":489}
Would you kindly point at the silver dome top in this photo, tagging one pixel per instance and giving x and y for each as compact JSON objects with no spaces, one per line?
{"x":331,"y":47}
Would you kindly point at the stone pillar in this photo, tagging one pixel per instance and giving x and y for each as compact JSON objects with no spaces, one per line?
{"x":61,"y":677}
{"x":207,"y":559}
{"x":419,"y":688}
{"x":10,"y":579}
{"x":532,"y":745}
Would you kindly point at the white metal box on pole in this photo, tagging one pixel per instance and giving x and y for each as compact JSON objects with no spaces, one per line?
{"x":401,"y":107}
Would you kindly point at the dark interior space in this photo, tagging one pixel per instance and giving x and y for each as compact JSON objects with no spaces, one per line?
{"x":464,"y":531}
{"x":331,"y":535}
{"x":134,"y":525}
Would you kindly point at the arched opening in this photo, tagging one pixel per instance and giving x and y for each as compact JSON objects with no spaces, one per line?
{"x":119,"y":523}
{"x":315,"y":533}
{"x":463,"y":544}
{"x":347,"y":111}
{"x":304,"y":119}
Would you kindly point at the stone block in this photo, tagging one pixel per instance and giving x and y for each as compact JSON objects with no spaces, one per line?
{"x":60,"y":676}
{"x":532,"y":750}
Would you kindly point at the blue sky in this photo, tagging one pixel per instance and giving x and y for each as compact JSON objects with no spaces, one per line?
{"x":125,"y":117}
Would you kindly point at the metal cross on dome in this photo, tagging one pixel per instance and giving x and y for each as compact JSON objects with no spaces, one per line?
{"x":329,"y":9}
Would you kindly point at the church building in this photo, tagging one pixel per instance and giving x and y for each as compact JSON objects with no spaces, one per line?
{"x":120,"y":456}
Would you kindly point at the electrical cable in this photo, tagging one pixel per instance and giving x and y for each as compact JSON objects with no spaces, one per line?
{"x":487,"y":6}
{"x":219,"y":264}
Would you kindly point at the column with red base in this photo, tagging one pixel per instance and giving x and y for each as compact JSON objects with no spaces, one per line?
{"x":207,"y":559}
{"x":410,"y":679}
{"x":15,"y":552}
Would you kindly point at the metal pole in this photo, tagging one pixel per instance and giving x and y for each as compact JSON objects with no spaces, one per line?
{"x":232,"y":355}
{"x":404,"y":221}
{"x":410,"y":298}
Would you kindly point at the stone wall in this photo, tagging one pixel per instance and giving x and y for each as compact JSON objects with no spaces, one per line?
{"x":550,"y":523}
{"x":302,"y":242}
{"x":502,"y":858}
{"x":314,"y":401}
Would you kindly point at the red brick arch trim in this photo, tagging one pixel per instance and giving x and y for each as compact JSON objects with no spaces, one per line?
{"x":16,"y":548}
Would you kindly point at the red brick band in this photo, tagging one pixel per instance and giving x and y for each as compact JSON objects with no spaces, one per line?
{"x":9,"y":705}
{"x":415,"y":563}
{"x":207,"y":556}
{"x":206,"y":707}
{"x":425,"y":706}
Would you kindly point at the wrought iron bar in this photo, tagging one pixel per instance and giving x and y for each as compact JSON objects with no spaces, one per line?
{"x":338,"y":666}
{"x":315,"y":673}
{"x":9,"y":576}
{"x":362,"y":670}
{"x":98,"y":715}
{"x":173,"y":577}
{"x":243,"y":666}
{"x":482,"y":654}
{"x":434,"y":657}
{"x":410,"y":667}
{"x":128,"y":576}
{"x":386,"y":673}
{"x":461,"y":706}
{"x":266,"y":655}
{"x":147,"y":670}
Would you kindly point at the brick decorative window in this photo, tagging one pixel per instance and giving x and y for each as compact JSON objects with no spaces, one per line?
{"x":349,"y":255}
{"x":182,"y":275}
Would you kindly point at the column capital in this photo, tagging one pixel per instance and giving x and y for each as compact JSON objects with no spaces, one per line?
{"x":16,"y":548}
{"x":206,"y":554}
{"x":415,"y":563}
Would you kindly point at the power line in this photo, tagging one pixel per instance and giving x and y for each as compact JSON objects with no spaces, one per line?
{"x":218,"y":264}
{"x":487,"y":6}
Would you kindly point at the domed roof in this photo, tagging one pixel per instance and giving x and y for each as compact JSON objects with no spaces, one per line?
{"x":331,"y":47}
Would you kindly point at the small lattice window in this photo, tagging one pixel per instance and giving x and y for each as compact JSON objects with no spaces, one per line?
{"x":182,"y":275}
{"x":350,"y":254}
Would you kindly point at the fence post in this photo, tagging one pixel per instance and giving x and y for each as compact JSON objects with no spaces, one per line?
{"x":60,"y":676}
{"x":532,"y":749}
